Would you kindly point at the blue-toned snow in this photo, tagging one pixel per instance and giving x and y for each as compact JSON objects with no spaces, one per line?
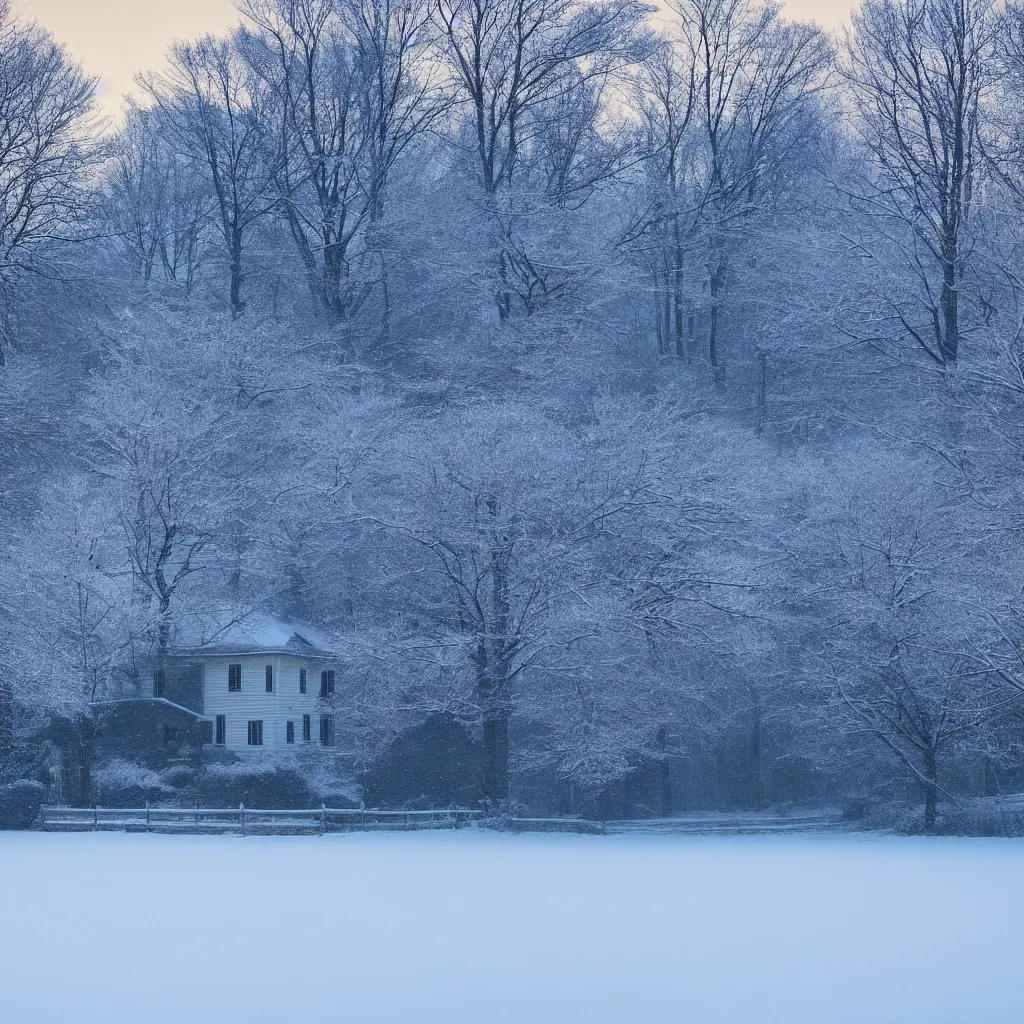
{"x":475,"y":927}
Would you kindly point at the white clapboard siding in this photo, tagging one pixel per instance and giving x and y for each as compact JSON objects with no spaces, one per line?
{"x":253,"y":702}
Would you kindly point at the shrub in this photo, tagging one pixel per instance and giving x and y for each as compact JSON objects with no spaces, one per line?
{"x":264,"y":787}
{"x":998,"y":822}
{"x":179,"y":776}
{"x":20,"y":803}
{"x":121,"y":783}
{"x":856,"y":808}
{"x":435,"y":764}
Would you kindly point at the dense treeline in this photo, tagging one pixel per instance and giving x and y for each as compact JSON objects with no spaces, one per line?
{"x":640,"y":388}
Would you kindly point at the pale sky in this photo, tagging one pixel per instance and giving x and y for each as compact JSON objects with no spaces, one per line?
{"x":116,"y":38}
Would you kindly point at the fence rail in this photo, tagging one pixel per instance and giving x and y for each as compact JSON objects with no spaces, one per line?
{"x":245,"y":820}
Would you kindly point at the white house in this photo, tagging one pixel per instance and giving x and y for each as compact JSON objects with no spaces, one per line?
{"x":262,"y":683}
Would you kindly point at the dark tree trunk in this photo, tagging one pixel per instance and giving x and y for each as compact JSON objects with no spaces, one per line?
{"x":949,"y":310}
{"x":495,"y":780}
{"x":717,"y":289}
{"x":664,"y":773}
{"x":761,"y":398}
{"x":237,"y":303}
{"x":756,"y":756}
{"x":677,"y":294}
{"x":931,"y":788}
{"x":6,"y":727}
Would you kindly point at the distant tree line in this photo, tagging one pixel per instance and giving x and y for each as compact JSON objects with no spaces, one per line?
{"x":641,"y":389}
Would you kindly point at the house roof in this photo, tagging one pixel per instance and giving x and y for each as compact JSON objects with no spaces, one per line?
{"x":255,"y":633}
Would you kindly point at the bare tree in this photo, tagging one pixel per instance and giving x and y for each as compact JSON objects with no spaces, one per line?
{"x":157,"y":203}
{"x":45,"y":151}
{"x":519,"y":65}
{"x":667,"y":100}
{"x":755,"y":76}
{"x":214,"y":106}
{"x":353,"y":91}
{"x":896,"y":638}
{"x":919,"y":72}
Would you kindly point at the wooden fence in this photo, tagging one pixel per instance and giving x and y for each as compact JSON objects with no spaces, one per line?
{"x":244,"y":820}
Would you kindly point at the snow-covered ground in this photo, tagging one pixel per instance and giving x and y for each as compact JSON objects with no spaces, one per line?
{"x":474,"y":927}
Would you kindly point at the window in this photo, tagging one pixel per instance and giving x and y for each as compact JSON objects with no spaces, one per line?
{"x":302,"y":680}
{"x":289,"y":732}
{"x":256,"y":734}
{"x":327,"y":730}
{"x":306,"y":730}
{"x":234,"y":677}
{"x":326,"y":682}
{"x":221,"y":730}
{"x":270,"y":679}
{"x":159,"y":683}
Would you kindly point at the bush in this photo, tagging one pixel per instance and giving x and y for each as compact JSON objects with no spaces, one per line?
{"x":435,"y":764}
{"x":262,"y":787}
{"x":121,"y":783}
{"x":856,"y":808}
{"x":996,"y":822}
{"x":20,"y":803}
{"x":179,"y":776}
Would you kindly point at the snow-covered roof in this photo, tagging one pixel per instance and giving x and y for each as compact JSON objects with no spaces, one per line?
{"x":255,"y":633}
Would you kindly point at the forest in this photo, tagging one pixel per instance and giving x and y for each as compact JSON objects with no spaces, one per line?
{"x":639,"y":389}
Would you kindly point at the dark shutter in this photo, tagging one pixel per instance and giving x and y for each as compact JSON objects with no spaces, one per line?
{"x":160,"y":683}
{"x":302,"y":680}
{"x":221,"y":729}
{"x":307,"y":731}
{"x":234,"y":677}
{"x":289,"y":732}
{"x":327,"y":730}
{"x":270,"y":679}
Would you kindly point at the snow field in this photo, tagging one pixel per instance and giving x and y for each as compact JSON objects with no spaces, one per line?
{"x":477,"y":928}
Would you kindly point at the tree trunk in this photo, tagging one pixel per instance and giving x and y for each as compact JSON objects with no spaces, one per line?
{"x":717,"y":289}
{"x":677,"y":294}
{"x":495,"y":780}
{"x":664,"y":774}
{"x":6,"y":727}
{"x":949,"y":308}
{"x":756,"y":755}
{"x":237,"y":304}
{"x":931,"y":789}
{"x":761,"y":398}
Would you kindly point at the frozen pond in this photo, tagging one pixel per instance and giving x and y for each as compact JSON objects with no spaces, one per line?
{"x":476,"y":928}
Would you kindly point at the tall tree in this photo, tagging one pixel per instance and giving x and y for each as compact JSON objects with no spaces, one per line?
{"x":215,"y":108}
{"x":521,"y":66}
{"x":46,"y":149}
{"x":919,"y":72}
{"x":755,"y":77}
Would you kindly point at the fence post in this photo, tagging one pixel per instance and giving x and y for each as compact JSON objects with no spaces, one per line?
{"x":197,"y":819}
{"x":323,"y":817}
{"x":95,"y":817}
{"x":147,"y":815}
{"x":241,"y":817}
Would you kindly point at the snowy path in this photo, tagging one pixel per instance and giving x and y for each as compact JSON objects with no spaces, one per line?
{"x":472,"y":928}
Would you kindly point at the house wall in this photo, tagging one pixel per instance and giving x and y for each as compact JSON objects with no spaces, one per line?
{"x":253,"y":703}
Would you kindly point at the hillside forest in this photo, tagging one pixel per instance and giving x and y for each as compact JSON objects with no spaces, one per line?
{"x":638,"y":390}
